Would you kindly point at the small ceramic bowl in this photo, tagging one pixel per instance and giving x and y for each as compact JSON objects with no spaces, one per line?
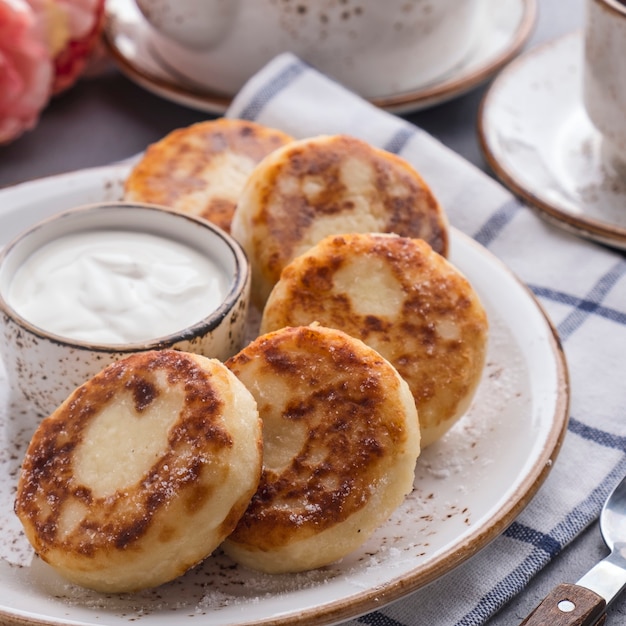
{"x":93,"y":284}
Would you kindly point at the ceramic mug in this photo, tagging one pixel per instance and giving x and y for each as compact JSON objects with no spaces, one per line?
{"x":604,"y":77}
{"x":44,"y":366}
{"x":374,"y":48}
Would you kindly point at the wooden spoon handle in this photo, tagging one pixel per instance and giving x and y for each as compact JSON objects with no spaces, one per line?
{"x":569,"y":605}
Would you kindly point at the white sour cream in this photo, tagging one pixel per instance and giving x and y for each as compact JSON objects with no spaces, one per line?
{"x":116,"y":287}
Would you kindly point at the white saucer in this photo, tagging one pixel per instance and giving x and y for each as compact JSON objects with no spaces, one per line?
{"x":509,"y":24}
{"x":537,"y":138}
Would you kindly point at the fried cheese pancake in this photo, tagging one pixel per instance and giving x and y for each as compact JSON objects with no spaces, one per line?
{"x":201,"y":169}
{"x":404,"y":300}
{"x":329,"y":185}
{"x":142,"y":472}
{"x":340,"y":440}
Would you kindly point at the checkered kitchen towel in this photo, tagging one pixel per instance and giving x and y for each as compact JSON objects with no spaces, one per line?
{"x":582,"y":287}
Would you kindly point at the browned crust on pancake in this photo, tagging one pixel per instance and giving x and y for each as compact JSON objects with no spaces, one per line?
{"x":116,"y":522}
{"x":443,"y":371}
{"x":282,"y":214}
{"x":183,"y":162}
{"x":343,"y":397}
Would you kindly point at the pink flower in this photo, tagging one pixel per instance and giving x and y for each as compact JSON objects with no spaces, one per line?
{"x":71,"y":29}
{"x":84,"y":19}
{"x":26,"y":70}
{"x":45,"y":46}
{"x":81,"y":16}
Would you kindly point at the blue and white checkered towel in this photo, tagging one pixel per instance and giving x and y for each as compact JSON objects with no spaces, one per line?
{"x":582,"y":287}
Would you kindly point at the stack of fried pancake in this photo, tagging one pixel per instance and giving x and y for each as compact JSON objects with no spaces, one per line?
{"x":404,"y":300}
{"x":149,"y":466}
{"x":329,"y":185}
{"x":295,"y":450}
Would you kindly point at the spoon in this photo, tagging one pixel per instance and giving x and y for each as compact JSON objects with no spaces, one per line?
{"x":585,"y":602}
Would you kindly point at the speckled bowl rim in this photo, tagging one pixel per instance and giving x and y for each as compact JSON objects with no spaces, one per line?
{"x":204,"y":326}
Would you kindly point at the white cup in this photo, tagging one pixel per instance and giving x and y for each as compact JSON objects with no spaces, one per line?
{"x":604,"y":77}
{"x":374,"y":47}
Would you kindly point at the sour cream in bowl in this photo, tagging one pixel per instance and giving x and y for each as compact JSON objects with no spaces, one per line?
{"x":93,"y":284}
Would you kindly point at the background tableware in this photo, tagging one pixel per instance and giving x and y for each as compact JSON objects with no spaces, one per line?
{"x":44,"y":367}
{"x":375,"y":48}
{"x":507,"y":25}
{"x":537,"y":137}
{"x":604,"y":77}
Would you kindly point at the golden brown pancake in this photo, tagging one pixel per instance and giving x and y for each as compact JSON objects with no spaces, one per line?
{"x":201,"y":169}
{"x":329,"y":185}
{"x":142,"y":472}
{"x":404,"y":300}
{"x":340,"y":440}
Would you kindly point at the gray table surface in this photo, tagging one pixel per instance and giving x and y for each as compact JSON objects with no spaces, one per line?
{"x":109,"y":118}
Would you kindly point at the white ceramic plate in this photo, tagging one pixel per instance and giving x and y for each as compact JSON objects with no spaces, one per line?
{"x":468,"y":487}
{"x":508,"y":24}
{"x":538,"y":139}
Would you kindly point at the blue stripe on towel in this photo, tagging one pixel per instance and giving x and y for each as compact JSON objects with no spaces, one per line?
{"x":540,"y":540}
{"x":582,"y":304}
{"x":497,"y":222}
{"x":596,"y":435}
{"x":399,"y":140}
{"x":378,"y":619}
{"x":281,"y":81}
{"x":590,"y":304}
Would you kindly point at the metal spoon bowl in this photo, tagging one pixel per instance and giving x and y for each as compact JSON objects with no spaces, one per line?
{"x":613,"y":517}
